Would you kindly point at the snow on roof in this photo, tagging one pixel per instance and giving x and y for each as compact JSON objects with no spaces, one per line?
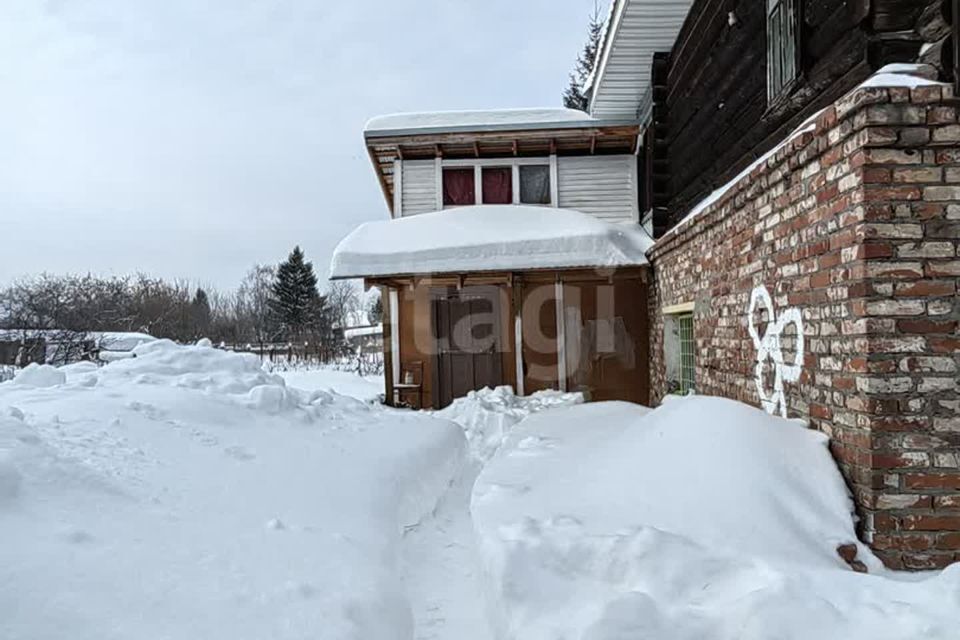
{"x":112,"y":340}
{"x":490,"y":120}
{"x":359,"y":332}
{"x":488,"y":238}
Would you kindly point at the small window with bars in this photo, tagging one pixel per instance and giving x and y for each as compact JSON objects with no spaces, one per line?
{"x":679,"y":348}
{"x":783,"y":46}
{"x":687,"y":346}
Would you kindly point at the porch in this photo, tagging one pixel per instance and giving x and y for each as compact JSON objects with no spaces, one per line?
{"x":569,"y":330}
{"x":531,"y":297}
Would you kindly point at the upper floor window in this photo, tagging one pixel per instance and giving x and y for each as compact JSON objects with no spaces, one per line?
{"x":534,"y":184}
{"x":783,"y":46}
{"x":497,"y":185}
{"x":512,"y":181}
{"x":458,"y":187}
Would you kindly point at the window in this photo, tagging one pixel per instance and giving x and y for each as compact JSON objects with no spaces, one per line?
{"x":685,"y":327}
{"x":679,"y":350}
{"x":783,"y":48}
{"x":498,"y":185}
{"x":506,"y":181}
{"x":535,"y":184}
{"x":458,"y":187}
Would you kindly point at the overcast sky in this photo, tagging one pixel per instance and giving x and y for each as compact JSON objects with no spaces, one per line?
{"x":191,"y":138}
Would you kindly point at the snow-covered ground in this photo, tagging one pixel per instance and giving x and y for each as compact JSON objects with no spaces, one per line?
{"x":702,"y":519}
{"x":366,"y":388}
{"x":188,"y":493}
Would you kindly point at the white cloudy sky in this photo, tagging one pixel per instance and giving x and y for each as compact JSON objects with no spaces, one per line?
{"x":192,"y":138}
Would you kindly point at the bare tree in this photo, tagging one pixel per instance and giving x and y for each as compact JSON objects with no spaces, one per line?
{"x":253,"y":305}
{"x":343,"y":299}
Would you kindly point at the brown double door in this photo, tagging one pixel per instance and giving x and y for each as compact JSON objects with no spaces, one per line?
{"x":469,"y":339}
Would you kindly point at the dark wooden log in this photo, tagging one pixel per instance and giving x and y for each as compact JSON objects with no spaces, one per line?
{"x":954,"y":45}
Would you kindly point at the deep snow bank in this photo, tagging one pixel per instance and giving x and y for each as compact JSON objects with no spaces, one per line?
{"x":702,"y":519}
{"x":486,"y":416}
{"x":186,"y":493}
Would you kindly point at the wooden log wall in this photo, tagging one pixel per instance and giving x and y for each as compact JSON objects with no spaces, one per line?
{"x":716,"y":108}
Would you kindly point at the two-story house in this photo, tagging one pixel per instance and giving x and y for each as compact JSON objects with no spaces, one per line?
{"x":762,"y":203}
{"x":512,"y":256}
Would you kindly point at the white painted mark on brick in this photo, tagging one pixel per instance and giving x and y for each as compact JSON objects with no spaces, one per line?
{"x":769,"y":348}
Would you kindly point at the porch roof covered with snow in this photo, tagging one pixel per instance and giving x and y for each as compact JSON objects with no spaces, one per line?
{"x":488,"y":238}
{"x":498,"y":133}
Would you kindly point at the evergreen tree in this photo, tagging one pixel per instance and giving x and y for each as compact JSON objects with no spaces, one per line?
{"x":573,"y":95}
{"x":296,"y":302}
{"x":200,"y":313}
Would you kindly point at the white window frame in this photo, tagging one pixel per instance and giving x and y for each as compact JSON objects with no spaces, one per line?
{"x":673,"y":345}
{"x":514,"y":163}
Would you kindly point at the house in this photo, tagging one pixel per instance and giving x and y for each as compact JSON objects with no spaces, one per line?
{"x":365,"y":339}
{"x":513,"y":254}
{"x":796,"y":164}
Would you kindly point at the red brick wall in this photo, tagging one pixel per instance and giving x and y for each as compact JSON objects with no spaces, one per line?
{"x":855,"y":223}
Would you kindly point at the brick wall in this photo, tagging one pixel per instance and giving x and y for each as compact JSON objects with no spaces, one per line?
{"x":854,"y":223}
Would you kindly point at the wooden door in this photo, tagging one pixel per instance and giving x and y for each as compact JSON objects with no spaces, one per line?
{"x":539,"y":346}
{"x":468,"y":343}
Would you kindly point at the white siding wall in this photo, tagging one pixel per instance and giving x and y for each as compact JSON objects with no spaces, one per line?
{"x":605,"y":186}
{"x":419,"y":187}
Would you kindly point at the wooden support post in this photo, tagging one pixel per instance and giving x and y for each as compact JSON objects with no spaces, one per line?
{"x":561,"y":335}
{"x":388,"y":330}
{"x":517,"y":298}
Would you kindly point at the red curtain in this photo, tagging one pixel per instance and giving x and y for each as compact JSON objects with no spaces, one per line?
{"x":458,"y":187}
{"x":497,"y":185}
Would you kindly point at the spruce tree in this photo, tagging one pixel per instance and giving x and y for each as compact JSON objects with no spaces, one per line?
{"x":574,"y":96}
{"x":296,"y":302}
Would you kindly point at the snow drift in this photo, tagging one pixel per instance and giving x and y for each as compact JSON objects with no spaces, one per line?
{"x":187,"y":493}
{"x":704,"y":518}
{"x":487,"y":416}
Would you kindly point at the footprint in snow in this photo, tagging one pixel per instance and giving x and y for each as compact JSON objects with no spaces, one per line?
{"x":77,"y":536}
{"x":239,"y":453}
{"x":146,"y":409}
{"x":205,"y":439}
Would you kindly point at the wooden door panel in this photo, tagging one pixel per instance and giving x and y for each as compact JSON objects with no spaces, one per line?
{"x":468,"y":342}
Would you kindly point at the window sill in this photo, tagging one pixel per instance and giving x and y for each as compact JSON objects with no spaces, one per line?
{"x":779,"y":103}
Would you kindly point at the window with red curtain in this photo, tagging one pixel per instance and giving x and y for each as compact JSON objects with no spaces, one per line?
{"x":497,"y":185}
{"x":458,"y":187}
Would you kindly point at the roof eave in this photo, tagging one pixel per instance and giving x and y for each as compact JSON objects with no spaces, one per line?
{"x":499,"y":128}
{"x":613,"y":23}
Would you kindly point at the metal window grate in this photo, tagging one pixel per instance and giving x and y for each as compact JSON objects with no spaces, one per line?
{"x":782,"y":46}
{"x":687,"y":347}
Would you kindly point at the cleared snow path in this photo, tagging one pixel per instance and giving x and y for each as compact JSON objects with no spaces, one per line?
{"x":440,"y":562}
{"x":441,"y":571}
